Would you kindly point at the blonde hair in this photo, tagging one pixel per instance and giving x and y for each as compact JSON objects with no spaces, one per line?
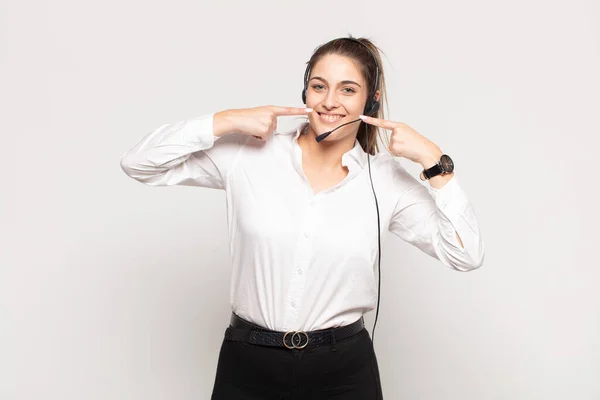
{"x":367,"y":134}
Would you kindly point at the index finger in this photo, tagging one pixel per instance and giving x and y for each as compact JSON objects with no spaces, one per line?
{"x":382,"y":123}
{"x":279,"y":111}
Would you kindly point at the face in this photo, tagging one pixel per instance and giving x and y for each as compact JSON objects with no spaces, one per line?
{"x":337,"y":91}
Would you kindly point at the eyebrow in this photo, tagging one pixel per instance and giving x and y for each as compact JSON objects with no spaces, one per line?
{"x":342,"y":82}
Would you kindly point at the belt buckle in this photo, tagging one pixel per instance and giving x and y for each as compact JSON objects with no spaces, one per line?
{"x":296,"y":339}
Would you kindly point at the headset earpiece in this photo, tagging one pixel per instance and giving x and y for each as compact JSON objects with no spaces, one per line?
{"x":371,"y":108}
{"x":304,"y":96}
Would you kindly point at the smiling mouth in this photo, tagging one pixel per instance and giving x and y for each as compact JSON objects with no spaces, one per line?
{"x":330,"y":118}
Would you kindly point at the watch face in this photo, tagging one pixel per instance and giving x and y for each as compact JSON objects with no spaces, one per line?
{"x":447,"y":163}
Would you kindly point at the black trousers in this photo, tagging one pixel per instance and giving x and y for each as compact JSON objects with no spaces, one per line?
{"x":346,"y":370}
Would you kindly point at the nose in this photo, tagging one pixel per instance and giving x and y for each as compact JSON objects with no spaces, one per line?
{"x":330,"y":101}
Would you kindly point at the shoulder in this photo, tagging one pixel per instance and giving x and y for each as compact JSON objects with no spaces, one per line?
{"x":392,"y":172}
{"x":288,"y":132}
{"x":284,"y":136}
{"x":386,"y":164}
{"x":277,"y":143}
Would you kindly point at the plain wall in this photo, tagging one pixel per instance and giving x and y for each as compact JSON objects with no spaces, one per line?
{"x":110,"y":289}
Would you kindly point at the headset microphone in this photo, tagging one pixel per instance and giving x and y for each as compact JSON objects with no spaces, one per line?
{"x":324,"y":135}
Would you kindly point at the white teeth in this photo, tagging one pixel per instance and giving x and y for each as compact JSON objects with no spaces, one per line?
{"x":331,"y":118}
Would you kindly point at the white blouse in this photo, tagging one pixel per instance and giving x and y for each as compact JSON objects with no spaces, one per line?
{"x":305,"y":261}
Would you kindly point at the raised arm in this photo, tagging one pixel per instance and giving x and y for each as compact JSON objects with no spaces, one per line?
{"x":188,"y":152}
{"x":200,"y":151}
{"x":441,"y":223}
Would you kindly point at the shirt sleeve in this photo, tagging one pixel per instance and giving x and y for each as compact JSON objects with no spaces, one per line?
{"x":184,"y":153}
{"x":429,"y":218}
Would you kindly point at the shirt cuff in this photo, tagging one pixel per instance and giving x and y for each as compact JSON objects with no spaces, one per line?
{"x":450,"y":198}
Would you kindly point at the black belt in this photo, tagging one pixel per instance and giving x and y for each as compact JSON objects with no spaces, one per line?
{"x":240,"y":330}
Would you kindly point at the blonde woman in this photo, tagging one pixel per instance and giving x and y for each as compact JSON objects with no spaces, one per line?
{"x":306,"y":210}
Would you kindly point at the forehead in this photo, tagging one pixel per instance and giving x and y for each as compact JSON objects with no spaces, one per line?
{"x":335,"y":67}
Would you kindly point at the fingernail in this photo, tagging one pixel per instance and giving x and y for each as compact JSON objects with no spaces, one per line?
{"x":362,"y":117}
{"x":308,"y":109}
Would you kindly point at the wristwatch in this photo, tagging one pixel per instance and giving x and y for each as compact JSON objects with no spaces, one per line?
{"x":444,"y":166}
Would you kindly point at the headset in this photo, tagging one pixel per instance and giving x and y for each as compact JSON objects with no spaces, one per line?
{"x":371,"y":107}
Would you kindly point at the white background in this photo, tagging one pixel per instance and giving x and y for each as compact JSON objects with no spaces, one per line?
{"x":110,"y":289}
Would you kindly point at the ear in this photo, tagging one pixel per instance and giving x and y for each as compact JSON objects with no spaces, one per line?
{"x":377,"y":95}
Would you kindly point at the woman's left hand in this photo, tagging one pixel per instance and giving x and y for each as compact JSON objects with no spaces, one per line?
{"x":408,"y":143}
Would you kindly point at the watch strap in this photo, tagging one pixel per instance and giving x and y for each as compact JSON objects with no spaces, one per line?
{"x":433,"y":171}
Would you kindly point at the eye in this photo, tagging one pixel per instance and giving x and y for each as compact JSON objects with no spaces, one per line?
{"x":317,"y":86}
{"x":350,"y":89}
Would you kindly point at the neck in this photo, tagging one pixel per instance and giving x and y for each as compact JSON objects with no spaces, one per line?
{"x":327,"y":153}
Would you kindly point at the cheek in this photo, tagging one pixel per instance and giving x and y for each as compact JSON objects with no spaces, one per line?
{"x":355,"y":109}
{"x":356,"y":105}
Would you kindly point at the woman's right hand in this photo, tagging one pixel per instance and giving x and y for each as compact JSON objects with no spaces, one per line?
{"x":259,"y":122}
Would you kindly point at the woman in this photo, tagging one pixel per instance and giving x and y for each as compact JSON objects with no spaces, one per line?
{"x":301,"y":209}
